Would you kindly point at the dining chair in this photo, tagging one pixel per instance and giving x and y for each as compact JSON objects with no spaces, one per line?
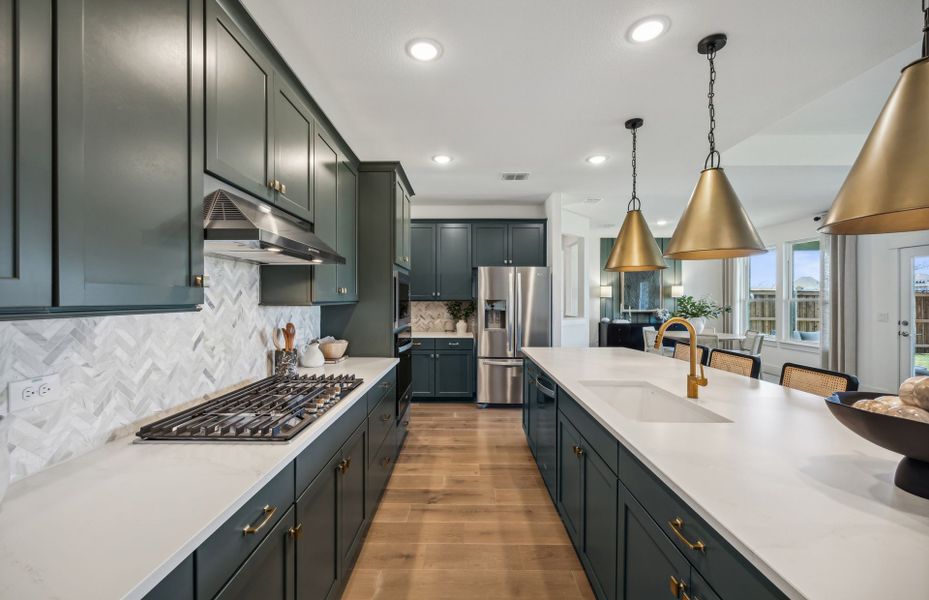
{"x":710,"y":340}
{"x":650,"y":334}
{"x":752,"y":342}
{"x":682,"y":352}
{"x":736,"y":362}
{"x":817,"y":381}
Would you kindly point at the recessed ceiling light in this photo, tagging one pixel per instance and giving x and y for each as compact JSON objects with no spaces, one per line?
{"x":648,"y":29}
{"x":661,"y":222}
{"x":597,"y":159}
{"x":442,"y":159}
{"x":424,"y":50}
{"x":591,"y":200}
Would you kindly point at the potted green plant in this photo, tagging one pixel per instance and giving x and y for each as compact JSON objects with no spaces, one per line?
{"x":461,"y":312}
{"x":697,"y":311}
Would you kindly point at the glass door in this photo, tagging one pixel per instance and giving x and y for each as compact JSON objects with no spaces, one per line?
{"x":914,"y":312}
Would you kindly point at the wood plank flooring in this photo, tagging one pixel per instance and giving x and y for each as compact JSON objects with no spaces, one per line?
{"x":466,"y":515}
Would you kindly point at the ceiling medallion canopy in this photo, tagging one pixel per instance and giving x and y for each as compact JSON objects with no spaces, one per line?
{"x":714,"y":224}
{"x":635,"y":248}
{"x":887,"y":189}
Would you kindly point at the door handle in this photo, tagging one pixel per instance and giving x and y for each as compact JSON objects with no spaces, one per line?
{"x":904,"y":333}
{"x":500,"y":363}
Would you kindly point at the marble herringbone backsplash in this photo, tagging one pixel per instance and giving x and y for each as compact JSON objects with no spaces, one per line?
{"x":432,"y":316}
{"x":118,"y":370}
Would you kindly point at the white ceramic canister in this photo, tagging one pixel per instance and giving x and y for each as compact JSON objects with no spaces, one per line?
{"x":312,"y":356}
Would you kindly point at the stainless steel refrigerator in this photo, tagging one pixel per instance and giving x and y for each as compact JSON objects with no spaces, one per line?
{"x":514,"y":310}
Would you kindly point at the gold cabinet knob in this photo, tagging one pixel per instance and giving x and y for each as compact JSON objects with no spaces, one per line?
{"x":578,"y":451}
{"x":283,"y":189}
{"x":296,"y":532}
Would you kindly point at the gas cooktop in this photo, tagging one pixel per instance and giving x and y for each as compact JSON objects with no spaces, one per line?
{"x":274,"y":409}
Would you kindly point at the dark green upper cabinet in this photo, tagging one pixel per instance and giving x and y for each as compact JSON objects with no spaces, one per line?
{"x":490,"y":245}
{"x":293,"y":146}
{"x":25,"y":154}
{"x":130,"y":156}
{"x":527,"y":244}
{"x":503,"y":244}
{"x":453,"y":268}
{"x":422,"y":262}
{"x":239,"y":80}
{"x":402,"y":242}
{"x":347,"y":238}
{"x":326,"y":165}
{"x":440,"y":266}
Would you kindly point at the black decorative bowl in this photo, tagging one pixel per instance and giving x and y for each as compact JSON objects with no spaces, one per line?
{"x":903,"y":436}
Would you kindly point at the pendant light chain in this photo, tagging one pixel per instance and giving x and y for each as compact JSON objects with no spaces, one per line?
{"x":713,"y":158}
{"x":925,"y":29}
{"x":634,"y":202}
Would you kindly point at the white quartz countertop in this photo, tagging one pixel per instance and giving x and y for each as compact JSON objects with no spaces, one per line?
{"x":442,"y":334}
{"x":811,"y":504}
{"x":114,"y":522}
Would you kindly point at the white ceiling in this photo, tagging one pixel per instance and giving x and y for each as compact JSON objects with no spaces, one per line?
{"x":538,"y":85}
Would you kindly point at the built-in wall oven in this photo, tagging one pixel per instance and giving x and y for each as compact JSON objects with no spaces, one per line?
{"x":403,"y":350}
{"x":402,"y":308}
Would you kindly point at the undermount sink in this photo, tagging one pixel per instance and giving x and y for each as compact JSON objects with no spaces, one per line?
{"x":640,"y":401}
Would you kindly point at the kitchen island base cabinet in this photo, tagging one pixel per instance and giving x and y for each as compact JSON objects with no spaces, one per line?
{"x":269,"y":572}
{"x":621,"y":518}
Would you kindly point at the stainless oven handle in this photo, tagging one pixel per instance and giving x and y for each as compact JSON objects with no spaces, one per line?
{"x":405,"y":348}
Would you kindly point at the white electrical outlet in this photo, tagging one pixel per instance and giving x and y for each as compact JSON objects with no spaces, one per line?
{"x":29,"y":393}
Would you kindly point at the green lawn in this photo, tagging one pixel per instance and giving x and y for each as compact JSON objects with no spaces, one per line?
{"x":922,"y":360}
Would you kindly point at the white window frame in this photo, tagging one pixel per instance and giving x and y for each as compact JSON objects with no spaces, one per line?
{"x":787,"y":300}
{"x":745,"y":293}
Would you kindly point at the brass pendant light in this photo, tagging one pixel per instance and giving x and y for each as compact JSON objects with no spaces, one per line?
{"x":714,"y":224}
{"x":635,"y":248}
{"x":887,"y":189}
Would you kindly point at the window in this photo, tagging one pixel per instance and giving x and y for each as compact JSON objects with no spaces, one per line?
{"x":760,"y":297}
{"x":803,"y":299}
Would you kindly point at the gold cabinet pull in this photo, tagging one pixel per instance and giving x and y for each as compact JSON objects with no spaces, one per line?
{"x":385,"y":417}
{"x":296,"y":532}
{"x":272,"y":184}
{"x":385,"y":462}
{"x":344,"y":464}
{"x":578,"y":451}
{"x":283,"y":189}
{"x":677,"y":588}
{"x":268,"y":512}
{"x":676,"y":526}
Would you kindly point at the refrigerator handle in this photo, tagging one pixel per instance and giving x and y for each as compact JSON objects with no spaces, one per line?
{"x":509,"y":317}
{"x":519,"y":303}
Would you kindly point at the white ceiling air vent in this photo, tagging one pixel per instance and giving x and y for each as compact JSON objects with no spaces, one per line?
{"x":513,"y":176}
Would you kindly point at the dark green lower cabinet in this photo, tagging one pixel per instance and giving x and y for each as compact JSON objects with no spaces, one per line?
{"x":700,"y":589}
{"x":571,"y":480}
{"x":600,"y":518}
{"x":423,"y":365}
{"x":443,"y":374}
{"x":649,"y":565}
{"x":269,"y":571}
{"x":454,"y":374}
{"x":352,"y":501}
{"x":318,"y":546}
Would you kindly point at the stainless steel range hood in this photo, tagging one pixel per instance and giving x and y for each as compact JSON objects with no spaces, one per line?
{"x":241,"y":229}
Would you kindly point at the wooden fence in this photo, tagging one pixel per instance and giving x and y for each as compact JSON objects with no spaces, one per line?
{"x":921,"y":326}
{"x":763,"y":305}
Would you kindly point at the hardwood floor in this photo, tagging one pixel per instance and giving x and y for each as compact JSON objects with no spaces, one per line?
{"x":466,"y":516}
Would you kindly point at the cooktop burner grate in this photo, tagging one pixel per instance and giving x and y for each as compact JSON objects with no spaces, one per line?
{"x":271,"y":410}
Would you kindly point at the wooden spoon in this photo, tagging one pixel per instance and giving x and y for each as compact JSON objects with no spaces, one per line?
{"x":290,"y":336}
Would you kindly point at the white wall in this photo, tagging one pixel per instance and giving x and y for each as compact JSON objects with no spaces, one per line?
{"x":575,"y":332}
{"x":878,"y":292}
{"x":704,"y":279}
{"x":477,"y":211}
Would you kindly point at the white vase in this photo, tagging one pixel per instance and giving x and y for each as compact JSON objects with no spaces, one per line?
{"x":699,"y":323}
{"x":4,"y":458}
{"x":461,"y":327}
{"x":312,"y":356}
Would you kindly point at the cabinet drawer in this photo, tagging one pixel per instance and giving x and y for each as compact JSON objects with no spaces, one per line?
{"x":597,"y":437}
{"x":454,"y":344}
{"x":722,"y":567}
{"x":381,"y":422}
{"x":220,"y":555}
{"x":312,"y":460}
{"x":423,"y":343}
{"x":385,"y":388}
